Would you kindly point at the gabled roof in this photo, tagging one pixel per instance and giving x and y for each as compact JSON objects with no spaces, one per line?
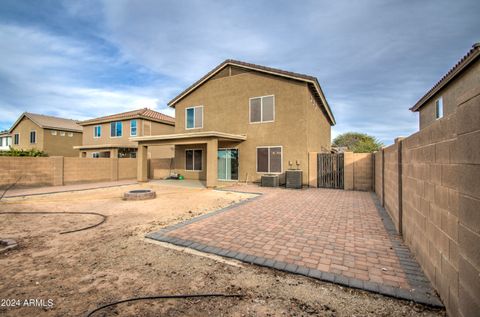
{"x":143,"y":113}
{"x":4,"y":133}
{"x":463,"y":63}
{"x":50,"y":122}
{"x":310,"y":80}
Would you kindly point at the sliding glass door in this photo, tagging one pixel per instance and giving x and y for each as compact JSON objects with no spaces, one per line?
{"x":228,"y":164}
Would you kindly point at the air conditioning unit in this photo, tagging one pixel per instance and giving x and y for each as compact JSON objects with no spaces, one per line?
{"x":293,"y":179}
{"x":269,"y":180}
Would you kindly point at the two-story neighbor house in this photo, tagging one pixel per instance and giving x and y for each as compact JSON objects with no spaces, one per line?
{"x":441,"y":99}
{"x":241,"y":121}
{"x":109,"y":136}
{"x":5,"y":140}
{"x":52,"y":135}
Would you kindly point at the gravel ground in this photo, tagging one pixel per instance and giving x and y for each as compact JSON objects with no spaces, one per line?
{"x":80,"y":271}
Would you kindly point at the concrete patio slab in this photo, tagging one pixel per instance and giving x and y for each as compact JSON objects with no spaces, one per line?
{"x":343,"y":237}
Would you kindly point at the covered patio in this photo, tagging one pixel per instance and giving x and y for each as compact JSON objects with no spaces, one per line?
{"x":210,"y":141}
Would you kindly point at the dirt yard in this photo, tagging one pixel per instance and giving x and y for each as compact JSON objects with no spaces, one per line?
{"x":82,"y":270}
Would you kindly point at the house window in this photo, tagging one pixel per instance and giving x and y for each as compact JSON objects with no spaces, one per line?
{"x":53,"y":132}
{"x":16,"y":138}
{"x":33,"y":137}
{"x":193,"y":160}
{"x":62,"y":133}
{"x":95,"y":154}
{"x":97,"y":131}
{"x":269,"y":159}
{"x":194,"y":117}
{"x":262,"y":109}
{"x":133,"y":128}
{"x":116,"y":129}
{"x":70,"y":134}
{"x":439,"y":108}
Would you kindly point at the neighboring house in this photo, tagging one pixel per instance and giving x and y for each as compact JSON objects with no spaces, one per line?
{"x":241,"y":121}
{"x":5,"y":140}
{"x":109,"y":136}
{"x":440,"y":101}
{"x":55,"y":136}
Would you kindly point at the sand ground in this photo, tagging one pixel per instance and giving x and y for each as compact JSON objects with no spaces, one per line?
{"x":82,"y":270}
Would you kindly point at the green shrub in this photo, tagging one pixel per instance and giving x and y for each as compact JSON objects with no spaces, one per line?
{"x":30,"y":153}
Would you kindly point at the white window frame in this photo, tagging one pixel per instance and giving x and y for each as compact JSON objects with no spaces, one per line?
{"x":439,"y":114}
{"x":13,"y":141}
{"x":194,"y":112}
{"x":261,"y":109}
{"x":54,"y":132}
{"x":193,"y":160}
{"x":62,"y":133}
{"x":70,"y":134}
{"x":30,"y":139}
{"x":268,"y":147}
{"x":99,"y":130}
{"x":136,"y":127}
{"x":115,"y":137}
{"x":96,"y":153}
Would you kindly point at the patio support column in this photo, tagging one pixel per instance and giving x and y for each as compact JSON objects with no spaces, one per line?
{"x":142,"y":163}
{"x":212,"y":162}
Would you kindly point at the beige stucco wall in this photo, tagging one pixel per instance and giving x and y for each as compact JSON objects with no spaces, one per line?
{"x":23,"y":128}
{"x":226,"y":109}
{"x":53,"y":145}
{"x":105,"y":138}
{"x":469,"y":79}
{"x":441,"y":202}
{"x":58,"y":145}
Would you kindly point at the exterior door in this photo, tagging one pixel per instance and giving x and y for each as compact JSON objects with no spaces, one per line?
{"x":228,"y":164}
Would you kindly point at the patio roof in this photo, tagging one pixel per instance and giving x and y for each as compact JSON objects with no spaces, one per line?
{"x":192,"y":135}
{"x":104,"y":146}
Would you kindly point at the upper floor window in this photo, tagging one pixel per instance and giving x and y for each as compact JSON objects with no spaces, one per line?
{"x":269,"y":159}
{"x":262,"y":109}
{"x":97,"y":131}
{"x":133,"y":127}
{"x":116,"y":129}
{"x":194,"y":117}
{"x":16,"y":138}
{"x":33,"y":137}
{"x":53,"y":132}
{"x":62,"y":133}
{"x":439,"y":108}
{"x":70,"y":134}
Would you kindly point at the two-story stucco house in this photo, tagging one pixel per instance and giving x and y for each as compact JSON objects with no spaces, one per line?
{"x":109,"y":136}
{"x":441,"y":100}
{"x":241,"y":121}
{"x":52,"y":135}
{"x":5,"y":140}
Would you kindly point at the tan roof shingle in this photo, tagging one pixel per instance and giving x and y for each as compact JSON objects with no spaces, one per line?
{"x":50,"y":122}
{"x":144,"y":113}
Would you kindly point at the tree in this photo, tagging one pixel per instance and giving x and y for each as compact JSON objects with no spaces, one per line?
{"x":357,"y":142}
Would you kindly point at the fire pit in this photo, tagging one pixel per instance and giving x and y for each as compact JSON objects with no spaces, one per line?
{"x":139,"y":194}
{"x":7,"y":244}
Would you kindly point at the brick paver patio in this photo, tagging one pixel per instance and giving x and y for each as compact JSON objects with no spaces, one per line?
{"x":333,"y":235}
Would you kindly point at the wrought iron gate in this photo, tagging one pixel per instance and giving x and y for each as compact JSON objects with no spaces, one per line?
{"x":330,"y":170}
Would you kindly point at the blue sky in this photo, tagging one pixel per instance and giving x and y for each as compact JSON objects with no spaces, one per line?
{"x":373,"y":58}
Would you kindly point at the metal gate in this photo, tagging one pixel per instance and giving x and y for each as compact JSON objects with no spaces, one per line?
{"x":330,"y":170}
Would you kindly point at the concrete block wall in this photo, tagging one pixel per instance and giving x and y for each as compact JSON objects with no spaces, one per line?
{"x":59,"y":170}
{"x":391,"y":183}
{"x":378,"y":174}
{"x":437,"y":199}
{"x":127,"y":168}
{"x":34,"y":171}
{"x":358,"y":171}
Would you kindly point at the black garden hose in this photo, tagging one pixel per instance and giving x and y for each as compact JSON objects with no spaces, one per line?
{"x":160,"y":297}
{"x":104,"y":218}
